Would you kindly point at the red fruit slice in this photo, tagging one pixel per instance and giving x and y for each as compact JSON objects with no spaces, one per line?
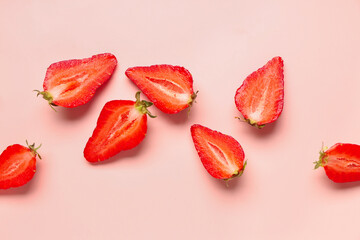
{"x":17,"y":165}
{"x":341,"y":162}
{"x":72,"y":83}
{"x":260,"y":98}
{"x":122,"y":125}
{"x":170,"y":88}
{"x":221,"y":155}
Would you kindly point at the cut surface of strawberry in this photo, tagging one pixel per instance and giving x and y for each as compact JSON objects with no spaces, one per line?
{"x":260,"y":98}
{"x":122,"y":125}
{"x":72,"y":83}
{"x":221,"y":155}
{"x":17,"y":165}
{"x":169,"y":87}
{"x":341,"y":162}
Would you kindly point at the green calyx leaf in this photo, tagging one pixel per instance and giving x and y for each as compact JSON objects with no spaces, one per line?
{"x":142,"y":105}
{"x":242,"y":170}
{"x":192,"y":101}
{"x":253,"y":123}
{"x":323,"y":158}
{"x":48,"y":97}
{"x":237,"y":173}
{"x":33,"y":149}
{"x":193,"y":97}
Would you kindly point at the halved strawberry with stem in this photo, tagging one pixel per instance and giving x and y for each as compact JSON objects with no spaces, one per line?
{"x":17,"y":165}
{"x":341,"y":162}
{"x":122,"y":125}
{"x":72,"y":83}
{"x":221,"y":155}
{"x":169,"y":87}
{"x":260,"y":98}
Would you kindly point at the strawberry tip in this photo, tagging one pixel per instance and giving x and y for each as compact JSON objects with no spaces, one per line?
{"x":33,"y":148}
{"x":142,"y":105}
{"x":48,"y":97}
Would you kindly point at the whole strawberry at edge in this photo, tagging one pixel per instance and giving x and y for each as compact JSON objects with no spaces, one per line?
{"x":17,"y":165}
{"x":341,"y":162}
{"x":122,"y":125}
{"x":260,"y":98}
{"x":169,"y":87}
{"x":72,"y":83}
{"x":221,"y":155}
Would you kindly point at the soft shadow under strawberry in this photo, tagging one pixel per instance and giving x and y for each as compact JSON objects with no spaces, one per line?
{"x":230,"y":185}
{"x":72,"y":114}
{"x":177,"y":118}
{"x":266,"y":131}
{"x":340,"y":186}
{"x":25,"y":189}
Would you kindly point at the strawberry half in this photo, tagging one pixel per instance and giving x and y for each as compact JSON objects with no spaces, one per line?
{"x":170,"y":88}
{"x":17,"y":165}
{"x":73,"y":82}
{"x":260,"y":98}
{"x":221,"y":155}
{"x":121,"y":126}
{"x":341,"y":162}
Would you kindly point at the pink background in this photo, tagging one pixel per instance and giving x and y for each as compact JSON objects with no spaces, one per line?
{"x":160,"y":189}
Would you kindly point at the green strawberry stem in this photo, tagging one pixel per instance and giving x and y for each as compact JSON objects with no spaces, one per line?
{"x":142,"y":105}
{"x":33,"y":148}
{"x":48,"y":97}
{"x":323,"y":158}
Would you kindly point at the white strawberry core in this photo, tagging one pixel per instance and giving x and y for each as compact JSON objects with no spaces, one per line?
{"x":222,"y":157}
{"x":18,"y":161}
{"x":182,"y":97}
{"x":61,"y":88}
{"x":133,"y":115}
{"x":256,"y":115}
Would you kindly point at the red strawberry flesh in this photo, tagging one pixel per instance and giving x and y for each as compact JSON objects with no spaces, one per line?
{"x":17,"y":166}
{"x":260,"y":98}
{"x":72,"y":83}
{"x":122,"y":125}
{"x":221,"y":155}
{"x":169,"y":87}
{"x":341,"y":162}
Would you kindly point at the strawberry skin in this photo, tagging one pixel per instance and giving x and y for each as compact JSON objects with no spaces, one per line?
{"x":341,"y":162}
{"x":169,"y":87}
{"x":122,"y":125}
{"x":17,"y":165}
{"x":260,"y":98}
{"x":221,"y":155}
{"x":72,"y":83}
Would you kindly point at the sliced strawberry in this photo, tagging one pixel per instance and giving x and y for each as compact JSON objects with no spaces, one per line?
{"x":221,"y":155}
{"x":73,"y":82}
{"x":341,"y":162}
{"x":17,"y":165}
{"x":170,"y":88}
{"x":120,"y":126}
{"x":260,"y":98}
